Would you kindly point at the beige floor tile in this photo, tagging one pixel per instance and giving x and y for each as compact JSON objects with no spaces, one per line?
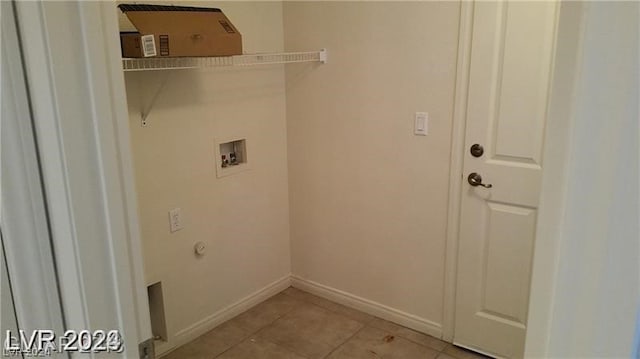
{"x":228,"y":332}
{"x":311,"y":331}
{"x":211,"y":343}
{"x":385,"y":325}
{"x":461,"y":353}
{"x":258,"y":348}
{"x":266,"y":312}
{"x":376,"y":343}
{"x":410,"y":334}
{"x":297,"y":293}
{"x":296,"y":324}
{"x":444,"y":356}
{"x":332,"y":306}
{"x":189,"y":351}
{"x":351,"y":313}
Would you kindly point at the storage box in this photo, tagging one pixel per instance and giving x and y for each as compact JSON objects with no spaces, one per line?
{"x":175,"y":31}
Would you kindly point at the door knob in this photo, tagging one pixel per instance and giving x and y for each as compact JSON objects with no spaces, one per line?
{"x":476,"y":180}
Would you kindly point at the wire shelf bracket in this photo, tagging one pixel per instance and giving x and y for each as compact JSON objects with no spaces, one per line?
{"x":179,"y":63}
{"x":145,"y":112}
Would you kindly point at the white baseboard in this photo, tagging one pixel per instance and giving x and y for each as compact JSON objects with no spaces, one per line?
{"x":370,"y":307}
{"x":206,"y":324}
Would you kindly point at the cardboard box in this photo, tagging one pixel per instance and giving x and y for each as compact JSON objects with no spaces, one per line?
{"x":176,"y":31}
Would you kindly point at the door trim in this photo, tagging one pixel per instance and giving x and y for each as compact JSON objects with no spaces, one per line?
{"x":565,"y":77}
{"x":455,"y":172}
{"x":69,"y":121}
{"x":123,"y":162}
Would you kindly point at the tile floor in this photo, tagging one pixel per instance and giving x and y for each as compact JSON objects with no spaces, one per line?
{"x":297,"y":325}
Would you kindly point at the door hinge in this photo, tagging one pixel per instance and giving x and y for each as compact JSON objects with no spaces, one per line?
{"x":147,"y":349}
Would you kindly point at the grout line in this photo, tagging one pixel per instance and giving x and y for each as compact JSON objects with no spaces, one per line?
{"x":364,"y":325}
{"x":251,"y":333}
{"x":285,"y":347}
{"x":368,"y":324}
{"x":241,"y":340}
{"x":410,"y":340}
{"x":346,"y":340}
{"x":424,"y":345}
{"x":331,"y":310}
{"x":231,"y":347}
{"x":304,"y":299}
{"x":271,"y":341}
{"x":256,"y":332}
{"x":319,"y":306}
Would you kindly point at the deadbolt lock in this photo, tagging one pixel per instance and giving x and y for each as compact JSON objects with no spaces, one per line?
{"x":477,"y":150}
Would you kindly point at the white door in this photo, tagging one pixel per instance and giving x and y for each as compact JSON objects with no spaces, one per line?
{"x":509,"y":76}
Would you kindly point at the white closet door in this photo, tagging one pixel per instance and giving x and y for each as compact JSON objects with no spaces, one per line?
{"x":509,"y":75}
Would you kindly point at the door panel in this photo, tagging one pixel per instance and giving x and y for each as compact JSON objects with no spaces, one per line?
{"x":522,"y":81}
{"x":506,"y":261}
{"x":509,"y":75}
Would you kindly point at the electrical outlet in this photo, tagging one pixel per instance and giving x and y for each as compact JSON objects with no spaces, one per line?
{"x":175,"y":220}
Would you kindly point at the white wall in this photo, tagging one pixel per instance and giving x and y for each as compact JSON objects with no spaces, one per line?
{"x":243,"y":218}
{"x":597,"y":272}
{"x":368,"y":199}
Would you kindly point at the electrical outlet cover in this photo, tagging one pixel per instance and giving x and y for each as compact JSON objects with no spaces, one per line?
{"x":175,"y":220}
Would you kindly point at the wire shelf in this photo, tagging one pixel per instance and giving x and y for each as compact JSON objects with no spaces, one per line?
{"x":176,"y":63}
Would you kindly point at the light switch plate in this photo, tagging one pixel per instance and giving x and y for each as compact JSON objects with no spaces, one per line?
{"x":175,"y":220}
{"x":421,"y":124}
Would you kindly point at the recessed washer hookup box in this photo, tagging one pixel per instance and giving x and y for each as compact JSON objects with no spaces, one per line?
{"x":178,"y":31}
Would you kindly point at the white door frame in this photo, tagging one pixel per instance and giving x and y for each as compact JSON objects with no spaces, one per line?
{"x":455,"y":172}
{"x":560,"y":119}
{"x":76,"y":84}
{"x":556,"y":156}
